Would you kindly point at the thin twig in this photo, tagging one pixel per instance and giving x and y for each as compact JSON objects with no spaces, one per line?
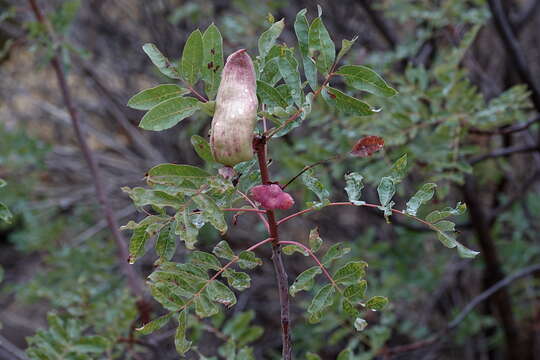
{"x":306,"y":168}
{"x":12,"y":349}
{"x":452,"y":325}
{"x":514,"y":49}
{"x":133,"y":280}
{"x":504,"y":152}
{"x":506,"y":130}
{"x":379,"y":23}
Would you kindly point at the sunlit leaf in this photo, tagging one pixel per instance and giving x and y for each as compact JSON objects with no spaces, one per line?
{"x":315,"y":240}
{"x":336,"y":251}
{"x":166,"y":242}
{"x":377,"y":303}
{"x":355,"y":292}
{"x":169,"y":113}
{"x":354,"y":187}
{"x":160,"y":61}
{"x":301,"y":28}
{"x":223,"y":250}
{"x":212,"y":63}
{"x":305,"y":280}
{"x":351,"y":273}
{"x":349,"y":104}
{"x":147,"y":99}
{"x":219,"y":292}
{"x":269,"y":37}
{"x":364,"y":79}
{"x":321,"y":46}
{"x":202,"y":148}
{"x":211,"y":212}
{"x":190,"y":64}
{"x":323,"y":299}
{"x":155,"y":324}
{"x":181,"y":344}
{"x":423,"y":195}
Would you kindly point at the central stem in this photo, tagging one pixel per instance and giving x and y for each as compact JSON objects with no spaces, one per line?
{"x":259,"y":145}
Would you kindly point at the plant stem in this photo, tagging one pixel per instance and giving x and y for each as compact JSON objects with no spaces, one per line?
{"x":259,"y":145}
{"x":133,"y":280}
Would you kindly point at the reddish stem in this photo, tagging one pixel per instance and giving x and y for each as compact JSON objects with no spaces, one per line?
{"x":259,"y":144}
{"x":347,"y":203}
{"x":246,"y":210}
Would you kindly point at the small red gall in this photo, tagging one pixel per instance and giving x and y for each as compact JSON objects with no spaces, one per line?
{"x":272,"y":197}
{"x":367,"y":145}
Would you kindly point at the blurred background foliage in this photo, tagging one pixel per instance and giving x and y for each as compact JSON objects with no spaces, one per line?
{"x":463,"y":116}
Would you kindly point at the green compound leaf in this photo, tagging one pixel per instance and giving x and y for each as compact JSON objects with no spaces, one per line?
{"x":202,"y":148}
{"x":269,"y":37}
{"x":301,"y":28}
{"x":204,"y":307}
{"x":316,"y":186}
{"x":147,"y":99}
{"x":321,"y":46}
{"x":315,"y":240}
{"x":348,"y":104}
{"x":160,"y":61}
{"x":137,"y":243}
{"x":354,"y":187}
{"x":176,"y":174}
{"x":142,"y":197}
{"x":205,"y":260}
{"x":5,"y":213}
{"x":345,"y":47}
{"x":166,"y":242}
{"x":364,"y":79}
{"x":336,"y":251}
{"x":423,"y":195}
{"x":165,"y":294}
{"x":386,"y":190}
{"x":445,"y":233}
{"x":223,"y":250}
{"x":181,"y":344}
{"x":237,"y":279}
{"x":377,"y":303}
{"x":190,"y":65}
{"x":350,"y":309}
{"x":220,"y":293}
{"x":169,"y":113}
{"x":248,"y":260}
{"x":91,"y":344}
{"x":211,"y":212}
{"x":291,"y":249}
{"x":322,"y":300}
{"x":269,"y":95}
{"x":186,"y":229}
{"x":399,"y":169}
{"x":155,"y":324}
{"x":356,"y":292}
{"x":288,"y":67}
{"x":351,"y":273}
{"x":212,"y":64}
{"x":305,"y":280}
{"x":437,"y":215}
